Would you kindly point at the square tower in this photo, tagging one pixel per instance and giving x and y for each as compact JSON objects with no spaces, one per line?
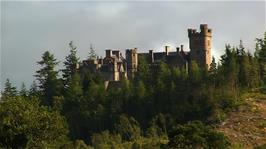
{"x":200,"y":45}
{"x":132,"y":62}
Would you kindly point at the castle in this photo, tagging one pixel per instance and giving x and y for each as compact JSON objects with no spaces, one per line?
{"x":114,"y":67}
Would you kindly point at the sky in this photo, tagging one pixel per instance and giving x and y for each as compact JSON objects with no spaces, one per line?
{"x":29,"y":28}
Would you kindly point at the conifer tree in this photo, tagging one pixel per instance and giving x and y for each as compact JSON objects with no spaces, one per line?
{"x":74,"y":90}
{"x":261,"y":55}
{"x":9,"y":90}
{"x":213,"y":66}
{"x":195,"y":73}
{"x":70,"y":64}
{"x":213,"y":72}
{"x":33,"y":91}
{"x":92,"y":53}
{"x":244,"y":66}
{"x":50,"y":85}
{"x":23,"y":91}
{"x":229,"y":67}
{"x":254,"y":76}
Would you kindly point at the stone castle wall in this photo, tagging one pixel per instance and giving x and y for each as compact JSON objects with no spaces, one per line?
{"x":115,"y":67}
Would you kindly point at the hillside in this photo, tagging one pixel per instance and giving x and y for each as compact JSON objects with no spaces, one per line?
{"x":246,"y":127}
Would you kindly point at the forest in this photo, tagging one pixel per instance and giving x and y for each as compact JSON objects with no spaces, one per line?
{"x":162,"y":107}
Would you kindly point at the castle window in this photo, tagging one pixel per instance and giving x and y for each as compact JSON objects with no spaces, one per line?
{"x":208,"y":42}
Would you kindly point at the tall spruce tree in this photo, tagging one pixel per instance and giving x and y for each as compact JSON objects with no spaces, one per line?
{"x":50,"y":85}
{"x":230,"y":68}
{"x":33,"y":91}
{"x":213,"y":72}
{"x":92,"y":53}
{"x":9,"y":90}
{"x":74,"y":90}
{"x":23,"y":91}
{"x":244,"y":66}
{"x":70,"y":64}
{"x":213,"y":66}
{"x":254,"y":77}
{"x":261,"y":55}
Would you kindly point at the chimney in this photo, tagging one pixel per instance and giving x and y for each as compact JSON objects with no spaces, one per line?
{"x":167,"y":49}
{"x":116,"y":53}
{"x":177,"y":49}
{"x":151,"y":56}
{"x":108,"y":53}
{"x":182,"y":48}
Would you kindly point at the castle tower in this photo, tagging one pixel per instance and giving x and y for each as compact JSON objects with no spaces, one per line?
{"x":132,"y":62}
{"x":200,"y":45}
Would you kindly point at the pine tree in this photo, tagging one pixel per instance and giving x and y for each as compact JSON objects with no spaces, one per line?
{"x":9,"y":90}
{"x":229,"y":67}
{"x":195,"y":73}
{"x":50,"y":85}
{"x":74,"y":90}
{"x":23,"y":91}
{"x":261,"y":55}
{"x":143,"y":72}
{"x":213,"y":66}
{"x":33,"y":91}
{"x":213,"y":72}
{"x":244,"y":66}
{"x":254,"y":77}
{"x":71,"y":63}
{"x":92,"y":53}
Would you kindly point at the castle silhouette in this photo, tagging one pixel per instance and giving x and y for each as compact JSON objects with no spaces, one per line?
{"x":115,"y":67}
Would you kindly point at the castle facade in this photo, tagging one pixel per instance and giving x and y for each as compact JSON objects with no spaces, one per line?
{"x":115,"y":67}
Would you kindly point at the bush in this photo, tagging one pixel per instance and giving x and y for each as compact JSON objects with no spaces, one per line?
{"x":26,"y":124}
{"x":196,"y":135}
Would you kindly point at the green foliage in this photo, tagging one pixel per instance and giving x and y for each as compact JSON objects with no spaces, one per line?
{"x":92,"y":53}
{"x":195,"y":74}
{"x":105,"y":140}
{"x":128,"y":128}
{"x":33,"y":91}
{"x":157,"y":127}
{"x":195,"y":135}
{"x":50,"y":85}
{"x":261,"y":56}
{"x":261,"y":147}
{"x":71,"y":64}
{"x":9,"y":90}
{"x":144,"y":71}
{"x":74,"y":89}
{"x":213,"y":67}
{"x":23,"y":91}
{"x":171,"y":105}
{"x":26,"y":124}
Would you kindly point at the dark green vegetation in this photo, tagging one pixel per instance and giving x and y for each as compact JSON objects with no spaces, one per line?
{"x":163,"y":107}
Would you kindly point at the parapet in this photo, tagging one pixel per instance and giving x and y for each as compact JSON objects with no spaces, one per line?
{"x":133,"y":51}
{"x":204,"y":31}
{"x":116,"y":53}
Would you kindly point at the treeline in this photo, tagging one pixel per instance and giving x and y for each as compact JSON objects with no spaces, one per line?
{"x":162,"y":107}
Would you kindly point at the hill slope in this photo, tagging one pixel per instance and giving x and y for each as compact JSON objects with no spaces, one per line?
{"x":246,"y":127}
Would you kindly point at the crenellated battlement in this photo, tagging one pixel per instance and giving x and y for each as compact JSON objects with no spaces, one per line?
{"x":204,"y":31}
{"x":200,"y":45}
{"x":115,"y":67}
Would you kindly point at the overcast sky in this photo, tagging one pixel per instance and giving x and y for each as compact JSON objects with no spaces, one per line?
{"x":30,"y":28}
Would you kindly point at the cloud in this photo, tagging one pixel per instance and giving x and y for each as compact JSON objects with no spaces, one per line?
{"x":30,"y":28}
